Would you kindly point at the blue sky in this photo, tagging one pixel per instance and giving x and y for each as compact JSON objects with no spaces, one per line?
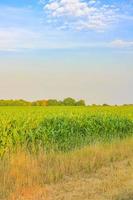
{"x":59,"y":48}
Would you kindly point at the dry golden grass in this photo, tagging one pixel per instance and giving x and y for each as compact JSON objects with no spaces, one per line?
{"x":29,"y":193}
{"x":114,"y":182}
{"x":98,"y":172}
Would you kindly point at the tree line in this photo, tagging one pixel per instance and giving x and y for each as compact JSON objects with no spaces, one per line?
{"x":50,"y":102}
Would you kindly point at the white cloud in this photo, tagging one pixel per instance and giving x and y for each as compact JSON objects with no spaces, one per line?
{"x":81,"y":14}
{"x":16,"y":39}
{"x":69,"y":7}
{"x":121,"y":43}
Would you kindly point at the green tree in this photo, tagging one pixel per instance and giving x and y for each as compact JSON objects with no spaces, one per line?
{"x":52,"y":102}
{"x":105,"y":104}
{"x":39,"y":103}
{"x":80,"y":103}
{"x":69,"y":101}
{"x":11,"y":102}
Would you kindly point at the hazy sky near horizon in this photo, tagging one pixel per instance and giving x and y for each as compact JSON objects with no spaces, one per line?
{"x":61,"y":48}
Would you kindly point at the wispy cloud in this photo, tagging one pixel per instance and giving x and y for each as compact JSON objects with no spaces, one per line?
{"x":12,"y":39}
{"x":81,"y":14}
{"x":121,"y":43}
{"x":20,"y":28}
{"x":18,"y":39}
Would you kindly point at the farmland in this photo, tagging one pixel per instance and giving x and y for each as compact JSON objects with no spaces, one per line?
{"x":41,"y":145}
{"x":62,"y":128}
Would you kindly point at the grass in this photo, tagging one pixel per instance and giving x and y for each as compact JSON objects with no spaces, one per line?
{"x":40,"y":147}
{"x":24,"y":170}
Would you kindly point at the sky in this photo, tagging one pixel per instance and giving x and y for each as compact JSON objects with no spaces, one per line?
{"x":61,"y":48}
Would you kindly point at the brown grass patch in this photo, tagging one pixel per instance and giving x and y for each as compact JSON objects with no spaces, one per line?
{"x":30,"y":193}
{"x":26,"y":174}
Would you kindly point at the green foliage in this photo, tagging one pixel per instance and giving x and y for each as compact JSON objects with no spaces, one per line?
{"x":62,"y":128}
{"x":69,"y":101}
{"x":105,"y":104}
{"x":20,"y":102}
{"x":39,"y":103}
{"x":80,"y":103}
{"x":50,"y":102}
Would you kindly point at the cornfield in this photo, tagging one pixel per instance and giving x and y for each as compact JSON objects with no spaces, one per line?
{"x":62,"y":128}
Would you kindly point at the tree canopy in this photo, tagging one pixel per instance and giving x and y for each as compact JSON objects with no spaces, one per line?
{"x":50,"y":102}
